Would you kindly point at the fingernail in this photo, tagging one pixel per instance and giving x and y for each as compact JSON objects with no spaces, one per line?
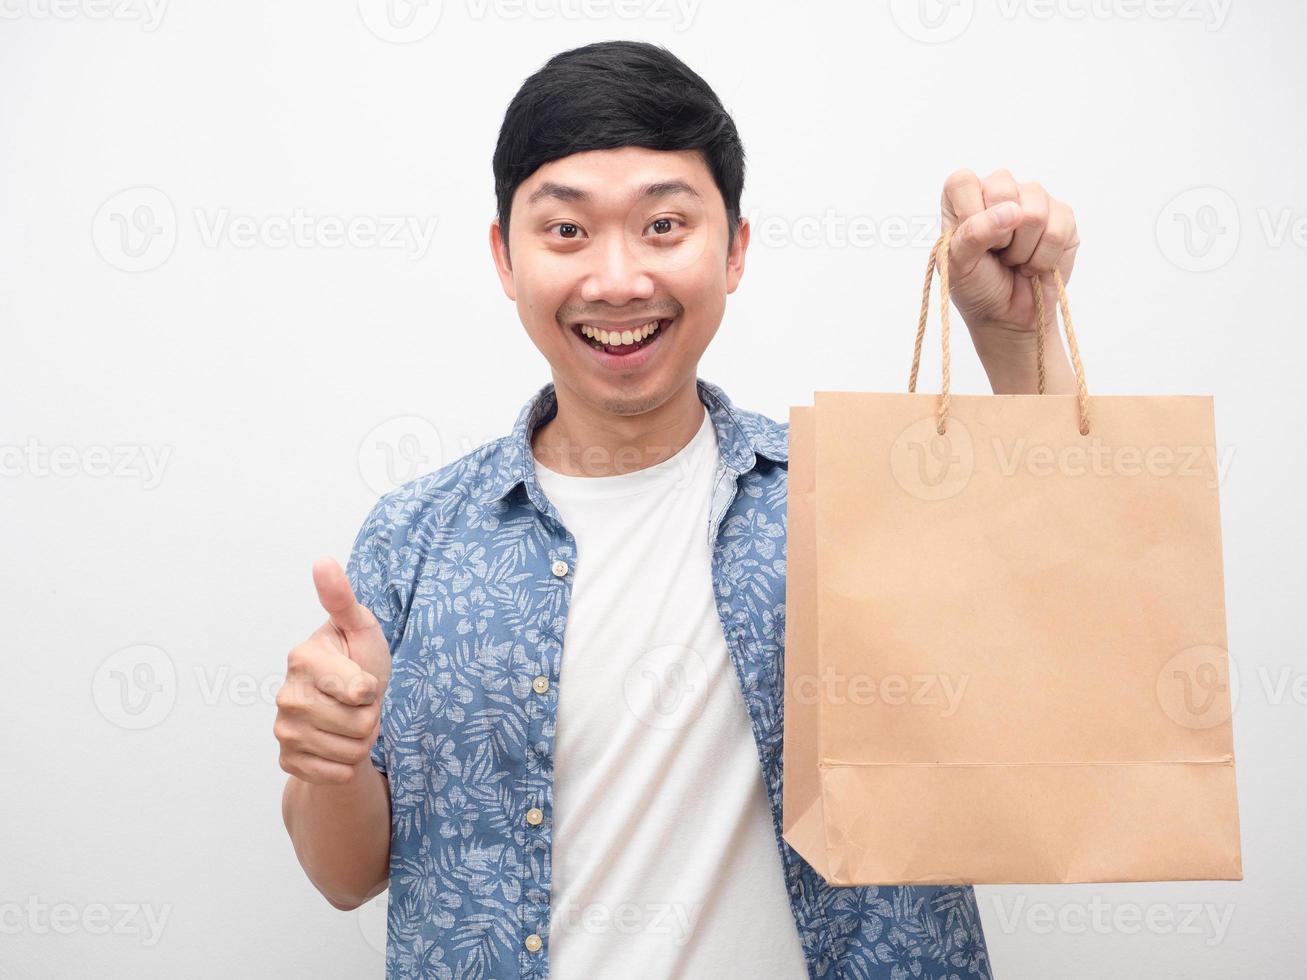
{"x":1006,"y":213}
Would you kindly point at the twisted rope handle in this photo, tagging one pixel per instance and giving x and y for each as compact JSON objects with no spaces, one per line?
{"x":939,"y":260}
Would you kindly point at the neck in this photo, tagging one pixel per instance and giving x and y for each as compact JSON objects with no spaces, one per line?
{"x":595,"y":440}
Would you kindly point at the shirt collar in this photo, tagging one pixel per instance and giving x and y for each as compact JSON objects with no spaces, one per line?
{"x":741,"y":439}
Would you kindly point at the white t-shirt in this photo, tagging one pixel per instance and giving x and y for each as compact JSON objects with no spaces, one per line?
{"x":665,"y":862}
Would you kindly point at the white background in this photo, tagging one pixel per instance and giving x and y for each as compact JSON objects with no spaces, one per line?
{"x":279,"y":388}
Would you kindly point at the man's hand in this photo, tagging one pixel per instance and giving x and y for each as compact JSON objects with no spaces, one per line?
{"x":1004,"y":234}
{"x":329,"y":709}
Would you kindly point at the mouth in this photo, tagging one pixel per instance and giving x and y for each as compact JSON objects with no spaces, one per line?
{"x":623,"y":346}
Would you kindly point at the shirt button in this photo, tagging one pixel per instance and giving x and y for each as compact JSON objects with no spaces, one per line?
{"x":534,"y":816}
{"x":533,"y":943}
{"x":540,"y":684}
{"x":559,"y":567}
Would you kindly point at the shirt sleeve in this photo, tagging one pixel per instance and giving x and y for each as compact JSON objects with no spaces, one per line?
{"x":368,"y":571}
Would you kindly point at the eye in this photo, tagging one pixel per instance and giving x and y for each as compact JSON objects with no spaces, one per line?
{"x":567,"y":230}
{"x":663,"y":226}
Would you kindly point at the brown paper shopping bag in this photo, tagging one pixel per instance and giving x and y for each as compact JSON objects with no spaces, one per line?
{"x":1005,"y":651}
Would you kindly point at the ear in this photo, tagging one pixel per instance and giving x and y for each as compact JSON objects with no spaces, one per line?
{"x":735,"y":258}
{"x":503,"y":265}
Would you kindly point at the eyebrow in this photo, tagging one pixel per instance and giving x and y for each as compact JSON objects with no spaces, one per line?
{"x":565,"y":192}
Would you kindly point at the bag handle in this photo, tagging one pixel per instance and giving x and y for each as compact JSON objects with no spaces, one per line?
{"x":939,"y":259}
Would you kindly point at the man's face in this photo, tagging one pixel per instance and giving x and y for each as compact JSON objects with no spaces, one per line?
{"x":614,"y":240}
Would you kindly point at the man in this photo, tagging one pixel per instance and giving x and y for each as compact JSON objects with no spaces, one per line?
{"x":578,"y":628}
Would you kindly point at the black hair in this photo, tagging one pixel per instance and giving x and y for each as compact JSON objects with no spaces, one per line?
{"x":612,"y":94}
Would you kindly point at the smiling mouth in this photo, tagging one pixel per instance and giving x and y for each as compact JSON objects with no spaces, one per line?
{"x":623,"y":341}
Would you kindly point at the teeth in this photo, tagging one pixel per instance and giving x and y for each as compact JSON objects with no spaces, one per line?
{"x":619,"y":338}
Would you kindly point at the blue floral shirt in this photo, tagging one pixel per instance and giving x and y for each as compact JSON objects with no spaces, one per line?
{"x":469,"y":570}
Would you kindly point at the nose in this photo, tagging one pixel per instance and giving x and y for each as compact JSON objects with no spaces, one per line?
{"x":616,"y":277}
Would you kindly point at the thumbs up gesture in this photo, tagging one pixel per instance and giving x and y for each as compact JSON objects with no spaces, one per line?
{"x":329,"y":709}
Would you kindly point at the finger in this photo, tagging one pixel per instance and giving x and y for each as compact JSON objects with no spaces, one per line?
{"x":998,"y":187}
{"x":1059,"y":238}
{"x":1034,"y":219}
{"x":980,"y":233}
{"x":347,"y":682}
{"x":320,"y":696}
{"x":311,"y":769}
{"x":346,"y":721}
{"x":962,"y":198}
{"x":335,"y":748}
{"x":319,"y":666}
{"x":325,"y":714}
{"x":337,"y":597}
{"x":326,"y":667}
